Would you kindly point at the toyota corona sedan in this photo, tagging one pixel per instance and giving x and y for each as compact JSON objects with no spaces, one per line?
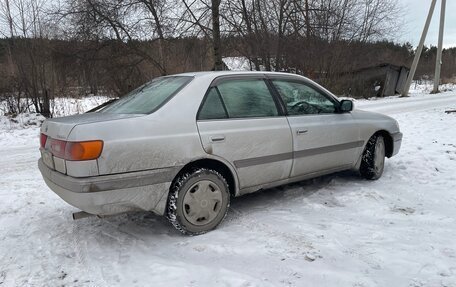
{"x":182,"y":145}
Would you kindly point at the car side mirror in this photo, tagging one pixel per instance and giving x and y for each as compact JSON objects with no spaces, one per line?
{"x":346,"y":106}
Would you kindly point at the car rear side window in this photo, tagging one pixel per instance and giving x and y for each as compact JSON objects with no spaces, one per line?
{"x":245,"y":98}
{"x":149,"y":97}
{"x":213,"y":107}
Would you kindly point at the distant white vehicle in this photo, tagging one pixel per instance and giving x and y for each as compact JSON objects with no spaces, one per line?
{"x":181,"y":145}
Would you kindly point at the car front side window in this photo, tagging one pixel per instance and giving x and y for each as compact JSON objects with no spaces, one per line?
{"x":302,"y":99}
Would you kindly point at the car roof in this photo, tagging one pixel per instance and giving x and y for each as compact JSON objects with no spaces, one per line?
{"x":211,"y":75}
{"x":214,"y":74}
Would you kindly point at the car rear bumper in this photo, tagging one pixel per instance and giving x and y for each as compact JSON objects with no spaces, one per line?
{"x":397,"y":141}
{"x":113,"y":194}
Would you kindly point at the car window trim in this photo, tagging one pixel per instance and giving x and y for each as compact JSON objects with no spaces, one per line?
{"x":277,"y":97}
{"x":240,"y":119}
{"x":222,"y":101}
{"x":220,"y":79}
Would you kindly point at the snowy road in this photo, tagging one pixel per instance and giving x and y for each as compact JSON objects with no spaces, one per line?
{"x":337,"y":230}
{"x":410,"y":104}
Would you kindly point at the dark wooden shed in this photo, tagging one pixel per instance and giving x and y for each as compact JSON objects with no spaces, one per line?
{"x":382,"y":81}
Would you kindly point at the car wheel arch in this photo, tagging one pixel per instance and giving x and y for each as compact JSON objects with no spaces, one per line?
{"x":218,"y":165}
{"x":389,"y":144}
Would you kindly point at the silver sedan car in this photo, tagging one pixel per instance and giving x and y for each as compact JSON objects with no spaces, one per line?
{"x":182,"y":145}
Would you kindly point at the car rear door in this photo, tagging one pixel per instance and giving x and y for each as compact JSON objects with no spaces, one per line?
{"x":323,"y":138}
{"x":241,"y":121}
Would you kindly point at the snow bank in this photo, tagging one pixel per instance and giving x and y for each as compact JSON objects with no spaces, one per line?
{"x":21,"y":121}
{"x":23,"y":129}
{"x":64,"y":106}
{"x":426,"y":86}
{"x":69,"y":106}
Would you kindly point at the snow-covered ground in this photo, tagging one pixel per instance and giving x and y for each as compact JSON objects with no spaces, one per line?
{"x":336,"y":230}
{"x":59,"y":107}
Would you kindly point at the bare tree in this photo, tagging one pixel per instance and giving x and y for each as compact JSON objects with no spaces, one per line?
{"x":203,"y":17}
{"x":30,"y":65}
{"x":111,"y":46}
{"x":216,"y":41}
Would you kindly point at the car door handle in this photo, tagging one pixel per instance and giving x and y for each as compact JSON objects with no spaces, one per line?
{"x":301,"y":131}
{"x":217,"y":138}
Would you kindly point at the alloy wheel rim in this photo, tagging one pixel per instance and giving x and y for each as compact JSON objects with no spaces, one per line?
{"x":202,"y":202}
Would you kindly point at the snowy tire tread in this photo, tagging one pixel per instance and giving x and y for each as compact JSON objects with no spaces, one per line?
{"x":171,"y":210}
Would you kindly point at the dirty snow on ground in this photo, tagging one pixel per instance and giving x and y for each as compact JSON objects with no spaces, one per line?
{"x":336,"y":230}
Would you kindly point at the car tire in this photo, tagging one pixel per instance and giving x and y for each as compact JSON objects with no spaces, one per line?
{"x":198,"y":201}
{"x":373,"y":158}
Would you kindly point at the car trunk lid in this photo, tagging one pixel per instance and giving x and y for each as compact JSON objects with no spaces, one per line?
{"x":60,"y":128}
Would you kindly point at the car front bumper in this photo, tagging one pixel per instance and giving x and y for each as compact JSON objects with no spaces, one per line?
{"x":113,"y":194}
{"x":397,"y":141}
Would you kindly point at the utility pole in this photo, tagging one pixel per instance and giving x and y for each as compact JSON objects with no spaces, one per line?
{"x":418,"y":51}
{"x":438,"y":63}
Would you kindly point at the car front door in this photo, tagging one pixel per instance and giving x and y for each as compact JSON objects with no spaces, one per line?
{"x":323,"y":139}
{"x":242,"y":122}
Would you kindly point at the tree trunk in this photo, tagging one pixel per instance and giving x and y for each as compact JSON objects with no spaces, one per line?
{"x":216,"y":42}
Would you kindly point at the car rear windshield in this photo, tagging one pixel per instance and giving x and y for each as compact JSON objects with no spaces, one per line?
{"x":149,"y":97}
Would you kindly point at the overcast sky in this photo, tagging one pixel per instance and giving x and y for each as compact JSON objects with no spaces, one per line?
{"x":415,"y":13}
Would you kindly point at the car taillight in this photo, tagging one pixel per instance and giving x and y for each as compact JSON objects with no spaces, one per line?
{"x":57,"y":147}
{"x":43,"y":139}
{"x":83,"y":150}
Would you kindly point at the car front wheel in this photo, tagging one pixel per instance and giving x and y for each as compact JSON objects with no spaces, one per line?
{"x":198,"y":201}
{"x":373,"y":158}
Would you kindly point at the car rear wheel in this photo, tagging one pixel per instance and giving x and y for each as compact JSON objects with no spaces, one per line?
{"x":198,"y":201}
{"x":373,"y":159}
